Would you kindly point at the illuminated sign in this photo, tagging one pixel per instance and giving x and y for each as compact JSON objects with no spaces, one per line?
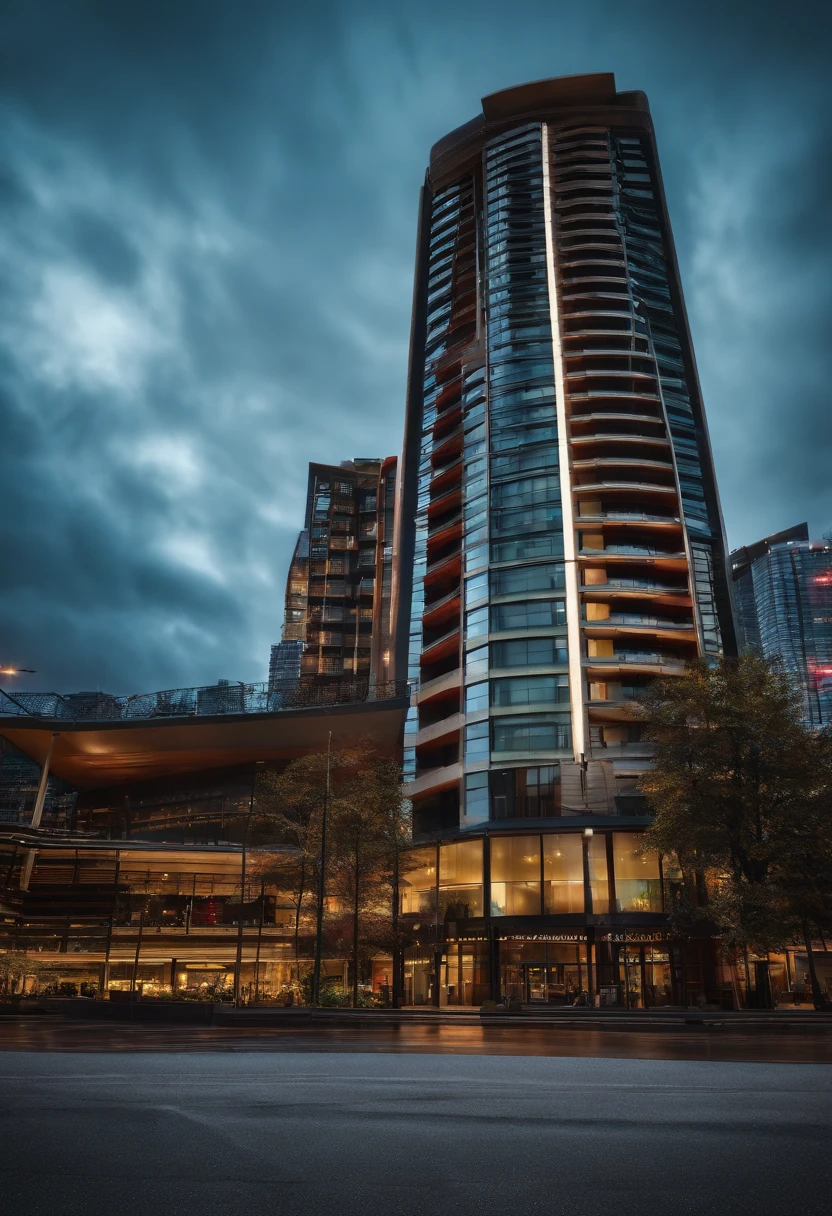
{"x":544,"y":937}
{"x":635,"y":936}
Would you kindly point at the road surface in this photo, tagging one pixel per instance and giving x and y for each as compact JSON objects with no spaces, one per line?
{"x":288,"y":1133}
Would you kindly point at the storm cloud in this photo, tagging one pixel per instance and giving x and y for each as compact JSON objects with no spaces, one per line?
{"x":207,"y":231}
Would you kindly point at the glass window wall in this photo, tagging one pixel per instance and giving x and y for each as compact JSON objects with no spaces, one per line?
{"x":532,"y":733}
{"x":599,"y":887}
{"x":515,"y":876}
{"x":460,"y":879}
{"x":529,"y":690}
{"x":563,"y":874}
{"x":417,"y":881}
{"x":476,"y":697}
{"x":547,"y":577}
{"x":534,"y":614}
{"x":638,"y":886}
{"x":529,"y":652}
{"x":476,"y":741}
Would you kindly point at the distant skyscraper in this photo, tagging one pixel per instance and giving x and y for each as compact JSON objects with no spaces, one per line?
{"x":338,"y":592}
{"x":783,"y":593}
{"x":559,"y":512}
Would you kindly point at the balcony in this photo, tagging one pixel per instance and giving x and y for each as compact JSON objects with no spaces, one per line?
{"x":434,"y":779}
{"x":621,"y":588}
{"x":635,"y":661}
{"x":610,"y":486}
{"x":445,"y":609}
{"x":442,"y":647}
{"x":443,"y":730}
{"x":630,"y":517}
{"x":446,"y":530}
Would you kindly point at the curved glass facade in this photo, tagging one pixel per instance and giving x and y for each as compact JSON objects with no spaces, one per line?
{"x":568,"y":541}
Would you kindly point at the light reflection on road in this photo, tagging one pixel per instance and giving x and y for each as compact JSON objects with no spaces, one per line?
{"x":33,"y":1033}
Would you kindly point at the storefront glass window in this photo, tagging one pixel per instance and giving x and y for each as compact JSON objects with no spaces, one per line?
{"x":515,"y":876}
{"x":598,"y":881}
{"x":417,"y":881}
{"x":638,"y":885}
{"x":563,"y":874}
{"x":460,"y":879}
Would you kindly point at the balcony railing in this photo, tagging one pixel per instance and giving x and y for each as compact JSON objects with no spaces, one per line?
{"x":202,"y":702}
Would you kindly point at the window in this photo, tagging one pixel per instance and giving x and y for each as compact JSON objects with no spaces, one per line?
{"x":532,"y":733}
{"x":526,"y":793}
{"x":475,"y":556}
{"x":476,"y":662}
{"x":476,"y":588}
{"x":638,"y":886}
{"x":534,"y":614}
{"x":548,"y":577}
{"x":528,"y":652}
{"x":524,"y":461}
{"x":476,"y":799}
{"x":516,"y":521}
{"x":598,"y":882}
{"x":530,"y":690}
{"x":528,"y":490}
{"x":476,"y":622}
{"x":476,"y":697}
{"x":417,"y":881}
{"x":526,"y":548}
{"x":476,"y":741}
{"x":460,"y":879}
{"x":515,"y":876}
{"x":563,"y":874}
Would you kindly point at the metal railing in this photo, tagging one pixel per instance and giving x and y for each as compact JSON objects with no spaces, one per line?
{"x":210,"y":700}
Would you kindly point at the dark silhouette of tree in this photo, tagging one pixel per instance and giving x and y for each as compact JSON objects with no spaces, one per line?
{"x":368,"y":825}
{"x":742,"y":793}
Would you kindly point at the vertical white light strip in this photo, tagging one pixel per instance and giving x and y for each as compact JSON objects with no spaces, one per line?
{"x":573,"y":604}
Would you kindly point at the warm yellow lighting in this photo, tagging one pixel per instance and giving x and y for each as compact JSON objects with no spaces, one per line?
{"x":587,"y":831}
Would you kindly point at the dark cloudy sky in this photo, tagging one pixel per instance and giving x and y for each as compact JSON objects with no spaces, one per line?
{"x":206,"y":256}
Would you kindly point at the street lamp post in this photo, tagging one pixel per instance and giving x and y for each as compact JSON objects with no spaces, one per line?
{"x":319,"y":929}
{"x":238,"y":965}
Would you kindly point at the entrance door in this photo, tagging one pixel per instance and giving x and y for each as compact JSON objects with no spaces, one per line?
{"x":537,"y":988}
{"x":634,"y":977}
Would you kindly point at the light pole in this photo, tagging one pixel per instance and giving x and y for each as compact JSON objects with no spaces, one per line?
{"x":238,"y":965}
{"x":319,"y":928}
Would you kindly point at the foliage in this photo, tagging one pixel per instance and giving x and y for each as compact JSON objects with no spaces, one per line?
{"x":742,"y":792}
{"x":368,"y":824}
{"x":16,"y":966}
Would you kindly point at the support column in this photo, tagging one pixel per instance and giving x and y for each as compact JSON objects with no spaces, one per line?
{"x":37,"y":814}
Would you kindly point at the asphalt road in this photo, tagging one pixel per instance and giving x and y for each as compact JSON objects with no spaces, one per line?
{"x":220,"y":1133}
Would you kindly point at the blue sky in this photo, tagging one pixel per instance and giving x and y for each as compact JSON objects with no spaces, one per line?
{"x":206,"y":261}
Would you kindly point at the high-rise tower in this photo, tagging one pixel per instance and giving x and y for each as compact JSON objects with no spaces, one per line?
{"x":559,"y":513}
{"x":783,"y":593}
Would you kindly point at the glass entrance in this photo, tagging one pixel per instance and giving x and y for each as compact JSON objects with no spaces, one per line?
{"x":534,"y":973}
{"x":645,"y":975}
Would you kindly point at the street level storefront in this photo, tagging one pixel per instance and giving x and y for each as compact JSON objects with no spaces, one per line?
{"x":635,"y":970}
{"x":569,"y":917}
{"x":101,"y":918}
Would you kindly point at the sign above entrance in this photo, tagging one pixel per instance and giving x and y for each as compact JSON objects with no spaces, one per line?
{"x":544,"y":937}
{"x":634,"y":935}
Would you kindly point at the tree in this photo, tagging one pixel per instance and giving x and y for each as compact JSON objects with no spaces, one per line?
{"x":367,"y":823}
{"x":15,"y":968}
{"x":741,"y":791}
{"x":370,"y":824}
